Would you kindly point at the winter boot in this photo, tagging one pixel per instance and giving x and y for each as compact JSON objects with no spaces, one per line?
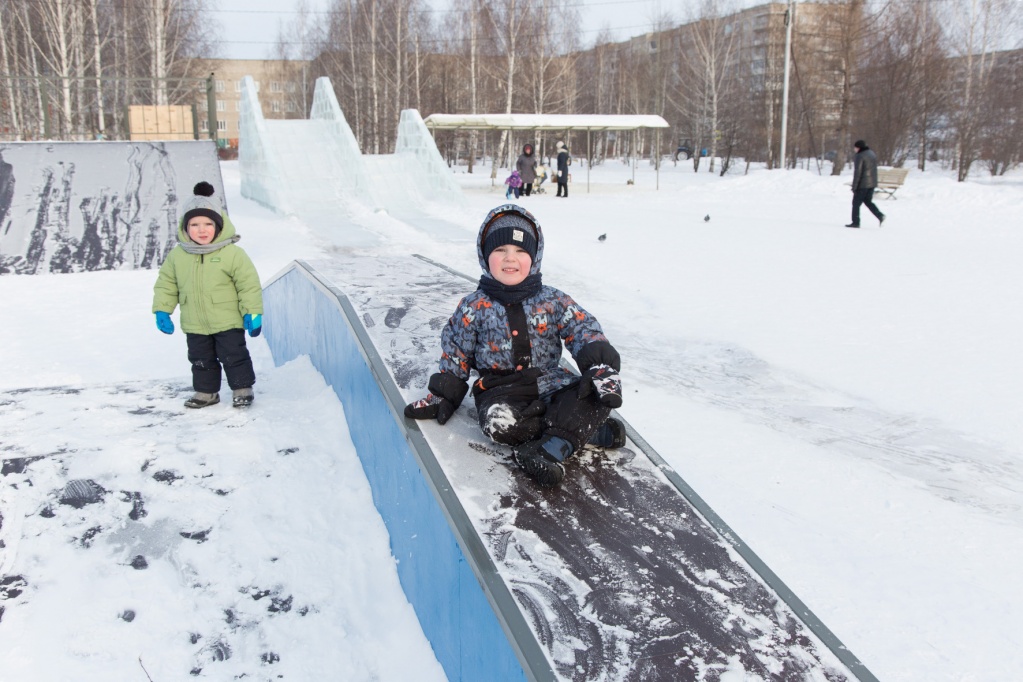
{"x":609,"y":435}
{"x":201,"y":399}
{"x":542,"y":459}
{"x":242,"y":397}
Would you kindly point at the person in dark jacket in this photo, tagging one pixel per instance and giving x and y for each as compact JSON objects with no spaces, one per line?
{"x":526,"y":166}
{"x":864,"y":182}
{"x":511,"y":332}
{"x":563,"y":160}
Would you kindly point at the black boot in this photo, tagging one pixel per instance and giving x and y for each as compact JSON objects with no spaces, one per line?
{"x":609,"y":435}
{"x":542,"y":459}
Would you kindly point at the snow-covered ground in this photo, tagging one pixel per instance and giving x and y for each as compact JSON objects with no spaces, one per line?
{"x":847,"y":400}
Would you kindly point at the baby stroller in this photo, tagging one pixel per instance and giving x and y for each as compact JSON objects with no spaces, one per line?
{"x":541,"y":175}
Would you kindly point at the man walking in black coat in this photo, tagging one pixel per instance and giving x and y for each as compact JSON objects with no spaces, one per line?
{"x":864,"y":182}
{"x":563,"y":161}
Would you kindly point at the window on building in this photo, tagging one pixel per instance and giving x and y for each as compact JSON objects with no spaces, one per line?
{"x":238,"y":105}
{"x":275,"y":86}
{"x":275,"y":106}
{"x":221,"y":105}
{"x":222,"y":125}
{"x":291,"y":106}
{"x":219,"y":86}
{"x":237,"y":86}
{"x":291,"y":87}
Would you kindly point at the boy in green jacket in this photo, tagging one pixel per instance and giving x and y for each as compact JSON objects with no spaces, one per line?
{"x":219,"y":292}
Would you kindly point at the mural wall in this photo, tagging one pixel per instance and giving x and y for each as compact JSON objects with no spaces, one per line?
{"x":79,"y":206}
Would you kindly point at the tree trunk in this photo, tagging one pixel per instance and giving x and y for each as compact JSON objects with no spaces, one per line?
{"x":374,"y":85}
{"x":98,"y":66}
{"x":15,"y":126}
{"x":850,"y":41}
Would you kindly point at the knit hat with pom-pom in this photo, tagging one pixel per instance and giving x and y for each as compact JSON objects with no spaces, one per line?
{"x":204,"y":203}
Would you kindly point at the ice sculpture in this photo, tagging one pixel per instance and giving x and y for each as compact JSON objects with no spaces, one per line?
{"x":313,"y":168}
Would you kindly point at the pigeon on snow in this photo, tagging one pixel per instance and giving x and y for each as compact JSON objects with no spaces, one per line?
{"x":602,"y":237}
{"x":706,"y":218}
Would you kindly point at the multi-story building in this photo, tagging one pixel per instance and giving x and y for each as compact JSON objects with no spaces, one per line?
{"x":750,"y":46}
{"x":285,"y":91}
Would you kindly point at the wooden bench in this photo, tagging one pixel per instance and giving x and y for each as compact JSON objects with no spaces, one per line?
{"x":890,"y":179}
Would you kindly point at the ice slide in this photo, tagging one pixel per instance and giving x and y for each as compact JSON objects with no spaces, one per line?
{"x":622,"y":573}
{"x":83,"y":206}
{"x":314,"y":169}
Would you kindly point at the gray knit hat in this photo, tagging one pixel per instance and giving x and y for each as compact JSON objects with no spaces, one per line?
{"x":203,"y":203}
{"x":510,"y":228}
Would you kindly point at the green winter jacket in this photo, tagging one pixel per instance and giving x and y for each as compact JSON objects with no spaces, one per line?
{"x":215,"y":290}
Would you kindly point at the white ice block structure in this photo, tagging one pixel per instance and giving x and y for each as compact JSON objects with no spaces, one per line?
{"x":314,"y":169}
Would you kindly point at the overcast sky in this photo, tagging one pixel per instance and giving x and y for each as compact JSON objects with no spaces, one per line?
{"x":250,"y":27}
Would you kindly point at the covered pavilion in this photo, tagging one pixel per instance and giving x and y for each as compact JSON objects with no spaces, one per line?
{"x":555,"y":122}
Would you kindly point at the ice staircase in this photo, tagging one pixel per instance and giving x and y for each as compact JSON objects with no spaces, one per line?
{"x":313,"y":168}
{"x":621,"y":573}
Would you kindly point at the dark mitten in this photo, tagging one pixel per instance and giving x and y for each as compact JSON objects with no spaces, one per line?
{"x":598,"y":353}
{"x":605,"y":381}
{"x":430,"y":407}
{"x":446,"y":393}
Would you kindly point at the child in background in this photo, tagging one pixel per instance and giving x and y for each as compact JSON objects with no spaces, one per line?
{"x":510,"y":331}
{"x":514,"y":182}
{"x":219,"y":292}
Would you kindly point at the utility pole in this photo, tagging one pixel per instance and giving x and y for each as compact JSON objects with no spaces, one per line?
{"x":789,"y":20}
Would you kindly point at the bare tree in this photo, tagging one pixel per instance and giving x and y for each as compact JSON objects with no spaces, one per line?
{"x":708,"y":65}
{"x":506,"y":21}
{"x":8,"y":59}
{"x":978,"y":28}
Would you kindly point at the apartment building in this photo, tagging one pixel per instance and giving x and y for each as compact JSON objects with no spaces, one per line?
{"x":285,"y":91}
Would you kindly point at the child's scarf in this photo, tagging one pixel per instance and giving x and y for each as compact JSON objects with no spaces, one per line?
{"x":197,"y":249}
{"x":514,"y":294}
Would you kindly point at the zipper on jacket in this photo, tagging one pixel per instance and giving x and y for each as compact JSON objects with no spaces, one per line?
{"x":201,"y":303}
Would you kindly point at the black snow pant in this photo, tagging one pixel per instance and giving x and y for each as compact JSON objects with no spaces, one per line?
{"x":866,"y":198}
{"x":208,"y":353}
{"x":562,"y":187}
{"x":527,"y":189}
{"x":515,"y":414}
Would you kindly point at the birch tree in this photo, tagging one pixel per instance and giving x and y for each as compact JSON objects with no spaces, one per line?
{"x":978,"y":28}
{"x":506,"y":21}
{"x":708,"y":66}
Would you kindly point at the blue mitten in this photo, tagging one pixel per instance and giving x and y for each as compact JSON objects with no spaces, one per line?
{"x":164,"y":323}
{"x":253,"y":324}
{"x":605,"y":381}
